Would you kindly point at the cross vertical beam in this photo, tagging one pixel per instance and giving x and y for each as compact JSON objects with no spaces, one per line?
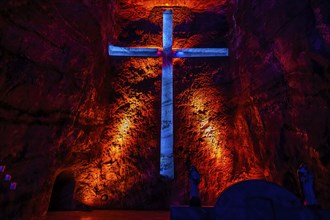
{"x":166,"y":133}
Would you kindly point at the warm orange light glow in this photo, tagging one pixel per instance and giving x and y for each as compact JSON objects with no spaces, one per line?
{"x":88,"y":195}
{"x":210,"y":132}
{"x":149,"y":4}
{"x":204,"y":136}
{"x":87,"y":218}
{"x":116,"y":171}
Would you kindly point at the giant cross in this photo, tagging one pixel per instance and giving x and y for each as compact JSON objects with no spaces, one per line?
{"x":167,"y":53}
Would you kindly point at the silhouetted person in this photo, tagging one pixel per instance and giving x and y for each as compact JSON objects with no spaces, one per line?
{"x":306,"y":180}
{"x":194,"y":180}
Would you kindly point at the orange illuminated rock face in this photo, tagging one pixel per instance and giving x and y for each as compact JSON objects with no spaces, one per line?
{"x":67,"y":106}
{"x":127,"y":163}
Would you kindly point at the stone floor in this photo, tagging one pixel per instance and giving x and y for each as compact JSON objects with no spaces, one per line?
{"x":108,"y":215}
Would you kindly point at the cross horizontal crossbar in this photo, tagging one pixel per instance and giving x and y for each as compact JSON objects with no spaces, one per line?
{"x":155,"y":52}
{"x":133,"y":51}
{"x":200,"y":52}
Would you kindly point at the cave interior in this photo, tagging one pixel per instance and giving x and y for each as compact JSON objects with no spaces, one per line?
{"x":80,"y":128}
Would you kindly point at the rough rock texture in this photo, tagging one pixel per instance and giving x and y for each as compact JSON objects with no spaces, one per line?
{"x":53,"y":62}
{"x":65,"y":106}
{"x":280,"y":67}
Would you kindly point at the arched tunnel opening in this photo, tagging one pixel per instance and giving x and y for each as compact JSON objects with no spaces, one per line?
{"x":62,"y":193}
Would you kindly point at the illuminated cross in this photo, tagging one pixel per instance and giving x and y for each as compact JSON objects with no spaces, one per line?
{"x":167,"y":53}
